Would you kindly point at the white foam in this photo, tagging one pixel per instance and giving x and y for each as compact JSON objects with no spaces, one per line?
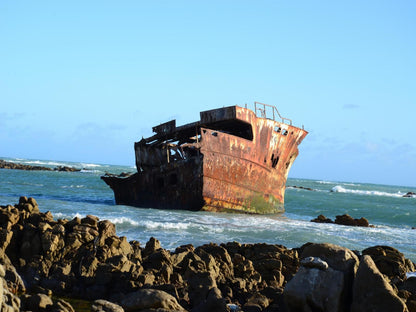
{"x":123,"y":220}
{"x":90,"y":165}
{"x":325,"y":182}
{"x":73,"y":186}
{"x":58,"y":215}
{"x":166,"y":225}
{"x":340,"y":189}
{"x":90,"y":171}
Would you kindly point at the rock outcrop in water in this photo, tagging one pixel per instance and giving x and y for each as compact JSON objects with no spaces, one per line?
{"x":84,"y":258}
{"x":10,"y":165}
{"x":344,"y":219}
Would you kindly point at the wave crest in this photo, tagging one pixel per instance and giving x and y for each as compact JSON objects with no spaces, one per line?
{"x":166,"y":225}
{"x":340,"y":189}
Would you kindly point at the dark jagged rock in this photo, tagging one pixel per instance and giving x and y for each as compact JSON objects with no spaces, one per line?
{"x":324,"y":280}
{"x":322,"y":219}
{"x":302,"y":188}
{"x":410,"y":194}
{"x":372,"y":292}
{"x":390,"y":261}
{"x":344,"y":219}
{"x":84,"y":258}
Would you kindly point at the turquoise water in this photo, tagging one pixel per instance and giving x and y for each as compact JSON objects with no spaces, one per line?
{"x":70,"y":194}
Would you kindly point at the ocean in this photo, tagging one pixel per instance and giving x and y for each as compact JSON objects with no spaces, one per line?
{"x":70,"y":194}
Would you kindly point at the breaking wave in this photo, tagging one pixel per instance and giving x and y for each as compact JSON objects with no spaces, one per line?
{"x":166,"y":225}
{"x":73,"y":186}
{"x":124,"y":221}
{"x":340,"y":189}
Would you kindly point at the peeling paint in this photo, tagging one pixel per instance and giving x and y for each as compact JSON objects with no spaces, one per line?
{"x":230,"y":160}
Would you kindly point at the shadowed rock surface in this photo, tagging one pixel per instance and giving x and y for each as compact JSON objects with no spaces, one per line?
{"x":84,"y":258}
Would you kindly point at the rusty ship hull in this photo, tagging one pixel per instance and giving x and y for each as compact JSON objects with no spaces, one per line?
{"x":231,"y":160}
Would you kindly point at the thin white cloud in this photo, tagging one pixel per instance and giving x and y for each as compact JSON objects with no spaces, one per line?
{"x":350,"y":106}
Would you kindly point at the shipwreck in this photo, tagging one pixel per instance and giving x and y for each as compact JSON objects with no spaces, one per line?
{"x":233,"y":159}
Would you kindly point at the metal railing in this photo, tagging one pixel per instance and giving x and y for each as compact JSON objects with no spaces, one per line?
{"x":263,"y":112}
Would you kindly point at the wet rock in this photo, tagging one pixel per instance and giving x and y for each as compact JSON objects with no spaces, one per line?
{"x":372,"y":292}
{"x":302,"y":188}
{"x":322,"y":219}
{"x":348,"y":220}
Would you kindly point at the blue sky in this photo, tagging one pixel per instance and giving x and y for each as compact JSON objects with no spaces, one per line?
{"x":83,"y":80}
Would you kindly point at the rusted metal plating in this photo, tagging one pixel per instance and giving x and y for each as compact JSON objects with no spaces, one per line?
{"x":230,"y":160}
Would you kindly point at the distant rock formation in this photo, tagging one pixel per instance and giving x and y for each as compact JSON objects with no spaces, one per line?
{"x":10,"y":165}
{"x":344,"y":219}
{"x":302,"y":188}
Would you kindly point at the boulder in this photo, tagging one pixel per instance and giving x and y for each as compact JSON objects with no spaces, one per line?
{"x":337,"y":257}
{"x":61,"y":306}
{"x":199,"y":285}
{"x":37,"y":302}
{"x":316,"y":288}
{"x":9,"y":301}
{"x":213,"y":302}
{"x":150,"y":299}
{"x":389,"y":261}
{"x":106,"y":229}
{"x":322,"y":219}
{"x":372,"y":292}
{"x":324,"y":279}
{"x":157,"y":260}
{"x":101,"y":305}
{"x":256,"y":302}
{"x":151,"y":246}
{"x":348,"y":220}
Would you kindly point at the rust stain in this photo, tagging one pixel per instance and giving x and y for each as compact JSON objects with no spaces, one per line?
{"x":231,"y":160}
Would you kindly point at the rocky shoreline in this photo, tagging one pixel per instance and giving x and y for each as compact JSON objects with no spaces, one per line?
{"x":11,"y":165}
{"x":42,"y":259}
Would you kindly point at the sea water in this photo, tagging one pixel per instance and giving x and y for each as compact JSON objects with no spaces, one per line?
{"x":71,"y":194}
